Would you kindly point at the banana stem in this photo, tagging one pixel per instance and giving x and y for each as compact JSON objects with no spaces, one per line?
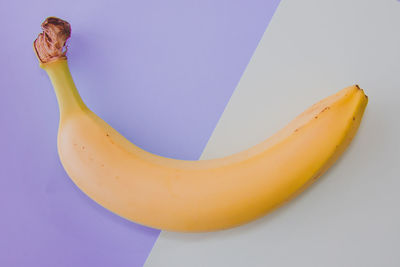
{"x":50,"y":48}
{"x":68,"y":96}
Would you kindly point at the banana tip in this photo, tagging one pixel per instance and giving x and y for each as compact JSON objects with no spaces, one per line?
{"x":362,"y":90}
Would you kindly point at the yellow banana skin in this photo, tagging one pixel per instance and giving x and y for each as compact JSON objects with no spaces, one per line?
{"x":206,"y":195}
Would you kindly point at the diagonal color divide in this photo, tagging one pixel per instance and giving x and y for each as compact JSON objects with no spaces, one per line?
{"x":160,"y":72}
{"x":350,"y":217}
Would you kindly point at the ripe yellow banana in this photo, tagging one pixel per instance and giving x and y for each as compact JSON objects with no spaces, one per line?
{"x":192,"y":196}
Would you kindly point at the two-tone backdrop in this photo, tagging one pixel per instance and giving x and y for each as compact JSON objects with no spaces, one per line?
{"x":196,"y":80}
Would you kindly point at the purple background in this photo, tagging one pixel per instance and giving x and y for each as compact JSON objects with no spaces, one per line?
{"x":160,"y":72}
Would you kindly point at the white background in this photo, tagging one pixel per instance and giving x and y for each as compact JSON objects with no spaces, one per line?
{"x":351,"y":216}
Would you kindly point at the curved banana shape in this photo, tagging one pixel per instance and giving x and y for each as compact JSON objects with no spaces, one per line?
{"x":195,"y":196}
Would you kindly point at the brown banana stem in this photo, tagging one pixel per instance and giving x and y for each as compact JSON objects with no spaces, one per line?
{"x":50,"y":44}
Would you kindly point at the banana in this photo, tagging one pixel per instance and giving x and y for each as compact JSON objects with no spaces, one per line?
{"x":192,"y":196}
